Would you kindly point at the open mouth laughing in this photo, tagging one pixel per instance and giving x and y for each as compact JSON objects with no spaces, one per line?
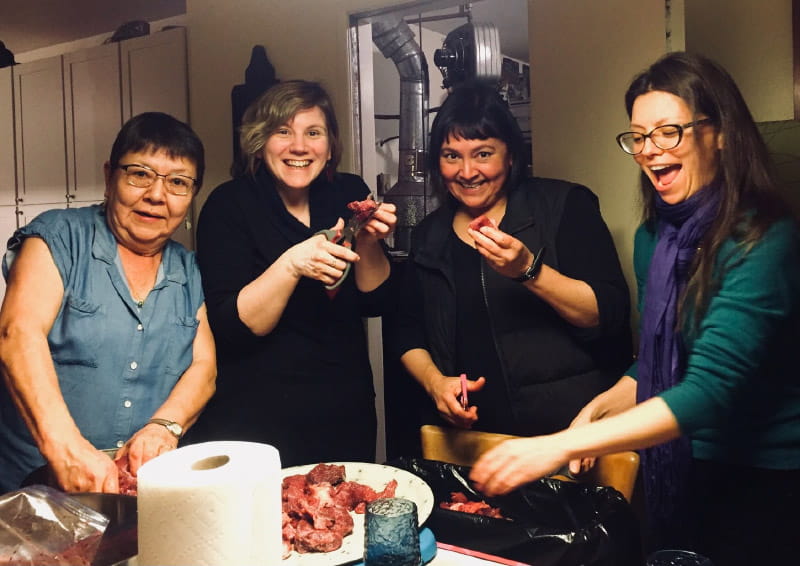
{"x":665,"y":174}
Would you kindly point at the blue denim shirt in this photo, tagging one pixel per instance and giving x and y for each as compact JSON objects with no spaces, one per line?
{"x":116,"y":362}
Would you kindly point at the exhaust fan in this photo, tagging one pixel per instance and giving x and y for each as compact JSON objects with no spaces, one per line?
{"x":471,"y":51}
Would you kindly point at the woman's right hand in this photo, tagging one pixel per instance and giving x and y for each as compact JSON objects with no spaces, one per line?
{"x":320,"y":259}
{"x":83,"y":468}
{"x":446,"y":394}
{"x":620,"y":397}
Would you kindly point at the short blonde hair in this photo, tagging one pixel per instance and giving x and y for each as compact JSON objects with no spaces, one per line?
{"x":276,"y":107}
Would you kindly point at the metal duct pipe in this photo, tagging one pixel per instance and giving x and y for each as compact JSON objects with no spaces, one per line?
{"x":394,"y":38}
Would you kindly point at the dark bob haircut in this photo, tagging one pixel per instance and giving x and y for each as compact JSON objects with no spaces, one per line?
{"x":156,"y":131}
{"x":475,"y":110}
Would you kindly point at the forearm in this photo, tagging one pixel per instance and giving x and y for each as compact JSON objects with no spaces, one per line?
{"x":31,"y":379}
{"x":420,"y":365}
{"x":642,"y":426}
{"x":190,"y":395}
{"x":261,"y":302}
{"x":373,"y":268}
{"x":573,"y":299}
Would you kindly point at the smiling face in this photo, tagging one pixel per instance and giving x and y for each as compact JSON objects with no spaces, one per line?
{"x":297,"y":152}
{"x":679,"y":172}
{"x":143,"y":219}
{"x":475,"y":171}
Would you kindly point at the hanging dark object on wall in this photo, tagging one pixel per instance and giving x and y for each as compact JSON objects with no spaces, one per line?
{"x":258,"y":77}
{"x":6,"y":56}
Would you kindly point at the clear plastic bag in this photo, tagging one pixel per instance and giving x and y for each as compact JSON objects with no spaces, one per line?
{"x":46,"y":527}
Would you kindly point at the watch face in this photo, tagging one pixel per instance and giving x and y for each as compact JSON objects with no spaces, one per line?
{"x":175,"y":429}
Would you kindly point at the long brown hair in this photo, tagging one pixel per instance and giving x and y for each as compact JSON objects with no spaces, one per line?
{"x":750,"y":202}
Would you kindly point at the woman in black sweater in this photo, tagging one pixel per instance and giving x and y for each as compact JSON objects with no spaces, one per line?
{"x":532,"y":306}
{"x":292,"y":356}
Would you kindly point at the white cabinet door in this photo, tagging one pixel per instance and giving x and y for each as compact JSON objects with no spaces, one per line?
{"x":155,"y":75}
{"x":40,"y":139}
{"x":92,"y":100}
{"x":8,"y":177}
{"x":8,"y":224}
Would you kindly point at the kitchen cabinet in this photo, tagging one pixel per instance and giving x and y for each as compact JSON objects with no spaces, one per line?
{"x":8,"y":181}
{"x":155,"y":74}
{"x":155,"y":77}
{"x":92,"y":102}
{"x":41,"y":148}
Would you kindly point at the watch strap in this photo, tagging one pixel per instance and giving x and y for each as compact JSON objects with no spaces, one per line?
{"x":173,"y":427}
{"x":534,"y":269}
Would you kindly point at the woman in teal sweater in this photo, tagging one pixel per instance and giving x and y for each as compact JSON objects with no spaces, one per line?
{"x":713,"y":401}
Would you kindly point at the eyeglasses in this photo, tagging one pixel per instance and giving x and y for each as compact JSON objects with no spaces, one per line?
{"x":667,"y":136}
{"x":141,"y":176}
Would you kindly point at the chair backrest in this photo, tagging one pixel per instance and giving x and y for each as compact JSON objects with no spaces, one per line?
{"x":463,"y":447}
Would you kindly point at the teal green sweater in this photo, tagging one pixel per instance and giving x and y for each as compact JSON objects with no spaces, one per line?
{"x":739,"y":400}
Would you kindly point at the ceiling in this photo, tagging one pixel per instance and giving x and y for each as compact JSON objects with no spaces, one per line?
{"x":26,"y":25}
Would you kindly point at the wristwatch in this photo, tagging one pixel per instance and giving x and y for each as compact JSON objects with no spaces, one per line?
{"x":534,"y":269}
{"x":172,"y":426}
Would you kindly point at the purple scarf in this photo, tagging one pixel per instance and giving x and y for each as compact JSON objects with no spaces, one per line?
{"x":662,"y":357}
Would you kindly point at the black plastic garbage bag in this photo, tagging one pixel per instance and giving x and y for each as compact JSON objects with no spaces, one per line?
{"x":549,"y":522}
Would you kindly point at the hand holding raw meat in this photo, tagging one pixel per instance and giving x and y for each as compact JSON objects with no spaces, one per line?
{"x":147,"y":443}
{"x":80,"y":467}
{"x":503,"y":252}
{"x":381,"y":224}
{"x":480,"y":222}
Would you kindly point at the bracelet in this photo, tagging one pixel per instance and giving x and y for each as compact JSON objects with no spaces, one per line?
{"x":534,"y":269}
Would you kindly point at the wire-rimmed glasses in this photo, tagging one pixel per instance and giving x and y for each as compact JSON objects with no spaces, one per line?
{"x":664,"y":137}
{"x":142,"y":176}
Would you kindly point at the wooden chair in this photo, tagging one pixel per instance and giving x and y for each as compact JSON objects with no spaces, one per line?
{"x":463,"y":447}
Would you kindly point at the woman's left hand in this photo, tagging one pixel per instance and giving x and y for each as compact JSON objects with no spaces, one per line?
{"x":148,"y":442}
{"x":381,"y":224}
{"x":516,"y":462}
{"x":503,"y":252}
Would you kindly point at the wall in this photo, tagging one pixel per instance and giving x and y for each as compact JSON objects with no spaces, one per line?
{"x":304,"y":39}
{"x":753,"y":41}
{"x":581,"y":65}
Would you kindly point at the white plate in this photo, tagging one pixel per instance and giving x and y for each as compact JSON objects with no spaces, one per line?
{"x":376,"y":476}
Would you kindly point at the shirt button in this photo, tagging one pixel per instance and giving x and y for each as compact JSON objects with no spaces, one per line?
{"x":134,"y":365}
{"x":127,"y":403}
{"x":139,"y":327}
{"x":120,"y":444}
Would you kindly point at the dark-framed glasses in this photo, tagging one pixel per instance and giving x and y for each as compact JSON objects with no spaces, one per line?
{"x":667,"y":136}
{"x":142,"y":176}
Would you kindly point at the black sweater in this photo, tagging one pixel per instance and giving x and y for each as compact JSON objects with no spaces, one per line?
{"x":306,"y":387}
{"x":547,"y":368}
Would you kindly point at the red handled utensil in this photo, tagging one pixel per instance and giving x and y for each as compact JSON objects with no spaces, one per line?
{"x":464,"y":400}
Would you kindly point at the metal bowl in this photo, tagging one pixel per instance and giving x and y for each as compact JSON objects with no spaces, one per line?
{"x":119,"y":542}
{"x":43,"y":475}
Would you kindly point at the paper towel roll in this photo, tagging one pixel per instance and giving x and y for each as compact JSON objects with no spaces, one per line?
{"x":211,"y":504}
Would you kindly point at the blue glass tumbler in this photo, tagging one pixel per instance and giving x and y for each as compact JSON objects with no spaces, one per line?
{"x":391,"y":536}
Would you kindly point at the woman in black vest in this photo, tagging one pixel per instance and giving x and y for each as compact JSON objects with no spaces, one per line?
{"x":531,"y":304}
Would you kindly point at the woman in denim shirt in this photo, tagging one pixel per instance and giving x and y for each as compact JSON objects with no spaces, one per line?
{"x":104,"y":341}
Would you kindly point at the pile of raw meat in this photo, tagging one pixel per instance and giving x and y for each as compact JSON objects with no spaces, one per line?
{"x":317,"y":505}
{"x":459,"y":502}
{"x":128,"y":484}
